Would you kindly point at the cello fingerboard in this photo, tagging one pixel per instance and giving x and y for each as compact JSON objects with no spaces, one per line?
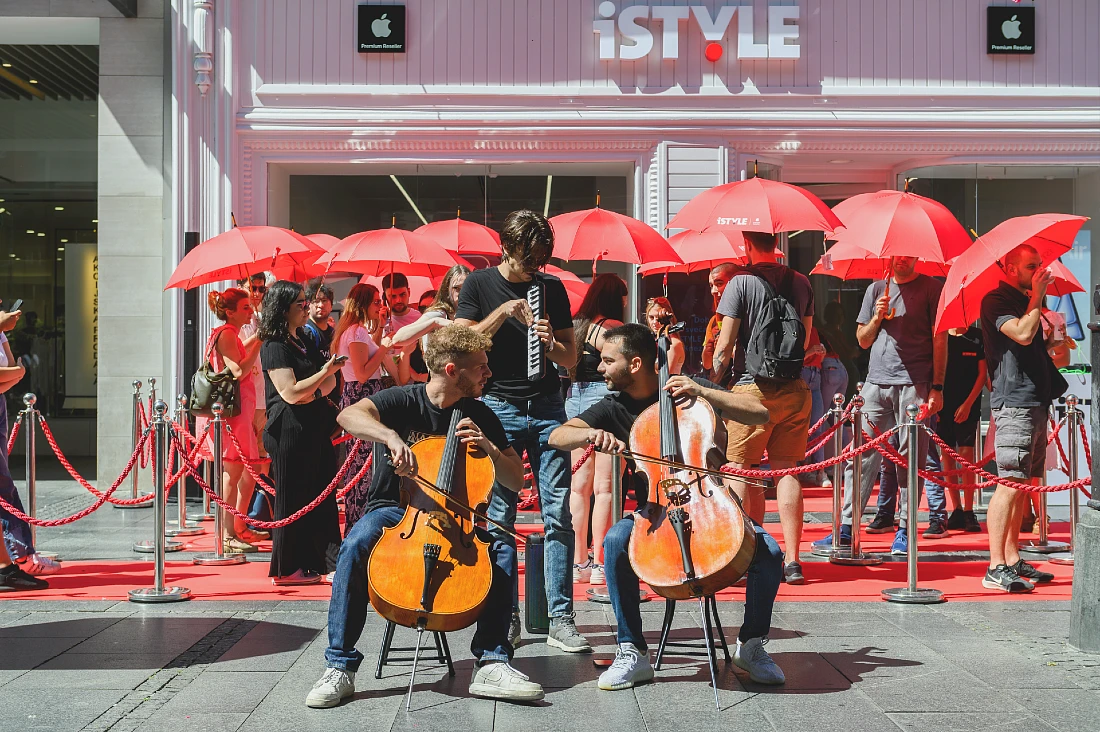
{"x":535,"y":350}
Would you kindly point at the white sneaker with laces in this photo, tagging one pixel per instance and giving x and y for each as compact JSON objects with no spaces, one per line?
{"x":631,"y":667}
{"x":335,"y":686}
{"x":752,"y":657}
{"x":38,"y":565}
{"x":581,"y":572}
{"x":498,"y":680}
{"x":596,"y":577}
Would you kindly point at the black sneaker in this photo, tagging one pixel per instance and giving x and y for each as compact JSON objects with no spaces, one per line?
{"x":880,"y":525}
{"x":972,"y":526}
{"x":1031,"y":573}
{"x":14,"y":579}
{"x":957,"y":520}
{"x":1005,"y":579}
{"x":792,"y":574}
{"x":936,"y":529}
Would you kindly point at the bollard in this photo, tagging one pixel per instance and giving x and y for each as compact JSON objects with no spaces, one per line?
{"x":1043,"y":544}
{"x":136,"y":472}
{"x":838,"y":479}
{"x":182,"y":528}
{"x":207,"y":514}
{"x":912,"y":595}
{"x":1072,"y":420}
{"x":979,"y":494}
{"x":152,"y":393}
{"x":158,"y":592}
{"x":218,"y":557}
{"x":853,"y":555}
{"x":158,"y":542}
{"x":30,"y":422}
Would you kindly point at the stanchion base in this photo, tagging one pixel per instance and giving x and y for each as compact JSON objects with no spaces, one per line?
{"x":147,"y":547}
{"x":602,"y":596}
{"x":825,"y":551}
{"x":185,"y":531}
{"x":213,"y":560}
{"x":152,"y":594}
{"x":1051,"y":547}
{"x":1062,"y":559}
{"x":845,"y":557}
{"x":147,"y":504}
{"x":919,"y":596}
{"x":201,"y":517}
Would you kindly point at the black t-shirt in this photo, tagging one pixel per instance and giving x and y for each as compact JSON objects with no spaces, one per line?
{"x":305,"y":361}
{"x":408,"y":412}
{"x":1020,"y":374}
{"x":483,"y":292}
{"x":964,"y":352}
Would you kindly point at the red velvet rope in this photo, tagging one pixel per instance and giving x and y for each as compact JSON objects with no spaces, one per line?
{"x":14,"y":432}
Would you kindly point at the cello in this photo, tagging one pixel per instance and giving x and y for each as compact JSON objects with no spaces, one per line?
{"x":431,"y":571}
{"x":692,"y":538}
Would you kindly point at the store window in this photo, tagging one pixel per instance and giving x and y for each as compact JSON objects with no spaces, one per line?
{"x":48,"y":221}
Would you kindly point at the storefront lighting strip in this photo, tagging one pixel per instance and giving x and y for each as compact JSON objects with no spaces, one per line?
{"x":408,"y":198}
{"x":546,"y":203}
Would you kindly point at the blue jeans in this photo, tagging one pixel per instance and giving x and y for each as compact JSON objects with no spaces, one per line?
{"x":528,"y":425}
{"x":765,"y":576}
{"x":582,"y":395}
{"x":888,"y":482}
{"x":834,"y":380}
{"x":17,"y":532}
{"x":347,"y":610}
{"x":812,"y":376}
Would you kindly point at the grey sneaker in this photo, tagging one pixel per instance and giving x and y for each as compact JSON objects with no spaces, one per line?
{"x":498,"y":680}
{"x":752,"y":657}
{"x":564,"y":635}
{"x":335,"y":686}
{"x":631,"y":667}
{"x":514,"y":629}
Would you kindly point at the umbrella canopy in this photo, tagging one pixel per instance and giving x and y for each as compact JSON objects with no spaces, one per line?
{"x":756,"y":204}
{"x":597,"y":233}
{"x":709,"y":246}
{"x":238,"y":253}
{"x":464,"y":237}
{"x":418,"y":284}
{"x":850,"y":262}
{"x":978,"y":270}
{"x":901,"y":224}
{"x":575,"y":287}
{"x":302,"y":267}
{"x":382,"y":251}
{"x":1064,"y":282}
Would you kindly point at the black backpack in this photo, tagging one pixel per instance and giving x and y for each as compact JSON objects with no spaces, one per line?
{"x":777,"y":345}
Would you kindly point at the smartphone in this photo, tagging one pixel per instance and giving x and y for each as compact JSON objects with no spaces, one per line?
{"x":16,"y":305}
{"x":340,"y":359}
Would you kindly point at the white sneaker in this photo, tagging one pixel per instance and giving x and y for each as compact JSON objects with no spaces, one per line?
{"x":581,"y":571}
{"x":300,"y":577}
{"x":596,"y":577}
{"x":335,"y":686}
{"x":631,"y":667}
{"x":38,"y":565}
{"x":752,"y":657}
{"x":515,"y":629}
{"x":498,"y":680}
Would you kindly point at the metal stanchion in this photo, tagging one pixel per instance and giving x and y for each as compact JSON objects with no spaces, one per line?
{"x":182,"y":528}
{"x":158,"y":592}
{"x":30,"y":421}
{"x":853,"y":555}
{"x":207,"y":514}
{"x":159,"y":543}
{"x":135,"y":473}
{"x":152,"y":391}
{"x":979,"y":493}
{"x":838,"y":479}
{"x":219,"y":557}
{"x":912,"y":594}
{"x":1072,"y":420}
{"x":1043,"y":544}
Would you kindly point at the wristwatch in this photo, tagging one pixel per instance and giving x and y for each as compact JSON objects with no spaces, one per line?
{"x":937,"y":387}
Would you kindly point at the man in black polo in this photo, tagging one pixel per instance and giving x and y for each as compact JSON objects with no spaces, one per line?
{"x":1022,"y":375}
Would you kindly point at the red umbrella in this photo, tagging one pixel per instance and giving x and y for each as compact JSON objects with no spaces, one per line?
{"x":1064,"y":282}
{"x":756,"y":204}
{"x":901,"y":224}
{"x":575,"y":287}
{"x":851,"y":262}
{"x":418,"y":284}
{"x":464,"y":237}
{"x":302,"y":267}
{"x":597,"y":233}
{"x":978,"y":270}
{"x":382,"y":251}
{"x":238,"y":253}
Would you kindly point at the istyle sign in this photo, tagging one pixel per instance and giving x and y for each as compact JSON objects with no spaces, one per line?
{"x":381,"y":29}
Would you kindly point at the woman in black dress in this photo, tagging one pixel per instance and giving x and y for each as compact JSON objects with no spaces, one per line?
{"x":300,"y":422}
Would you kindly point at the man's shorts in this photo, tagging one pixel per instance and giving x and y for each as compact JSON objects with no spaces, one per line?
{"x":958,"y":434}
{"x":787,"y":430}
{"x":1021,"y":442}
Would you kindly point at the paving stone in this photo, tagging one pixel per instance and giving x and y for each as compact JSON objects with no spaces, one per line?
{"x":999,"y":665}
{"x":150,"y":635}
{"x":39,"y":709}
{"x":847,"y":709}
{"x":860,"y":624}
{"x":200,"y":722}
{"x":1064,"y":709}
{"x":223,"y":692}
{"x":570,"y":709}
{"x":805,"y":672}
{"x":21,"y":654}
{"x":956,"y":691}
{"x":58,"y":625}
{"x":965,"y":722}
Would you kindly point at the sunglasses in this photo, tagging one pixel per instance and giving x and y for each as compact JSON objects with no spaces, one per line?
{"x":258,"y":289}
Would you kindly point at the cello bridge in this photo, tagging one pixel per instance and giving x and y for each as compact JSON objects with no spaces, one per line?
{"x":439,"y":520}
{"x":675,"y":490}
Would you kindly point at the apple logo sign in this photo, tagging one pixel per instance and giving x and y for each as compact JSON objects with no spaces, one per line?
{"x":1010,"y":29}
{"x":381,"y":28}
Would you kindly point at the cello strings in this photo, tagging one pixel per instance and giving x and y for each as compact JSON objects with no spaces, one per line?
{"x":447,"y":496}
{"x":682,"y":466}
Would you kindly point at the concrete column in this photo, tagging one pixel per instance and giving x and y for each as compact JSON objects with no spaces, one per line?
{"x":132,"y":245}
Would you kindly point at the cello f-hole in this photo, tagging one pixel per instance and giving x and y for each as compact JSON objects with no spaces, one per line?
{"x":412,"y":529}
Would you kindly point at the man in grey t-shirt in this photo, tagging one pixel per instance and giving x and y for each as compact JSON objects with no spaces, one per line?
{"x":907,"y":366}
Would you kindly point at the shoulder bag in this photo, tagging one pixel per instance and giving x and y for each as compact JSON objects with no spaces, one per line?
{"x":209,"y":386}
